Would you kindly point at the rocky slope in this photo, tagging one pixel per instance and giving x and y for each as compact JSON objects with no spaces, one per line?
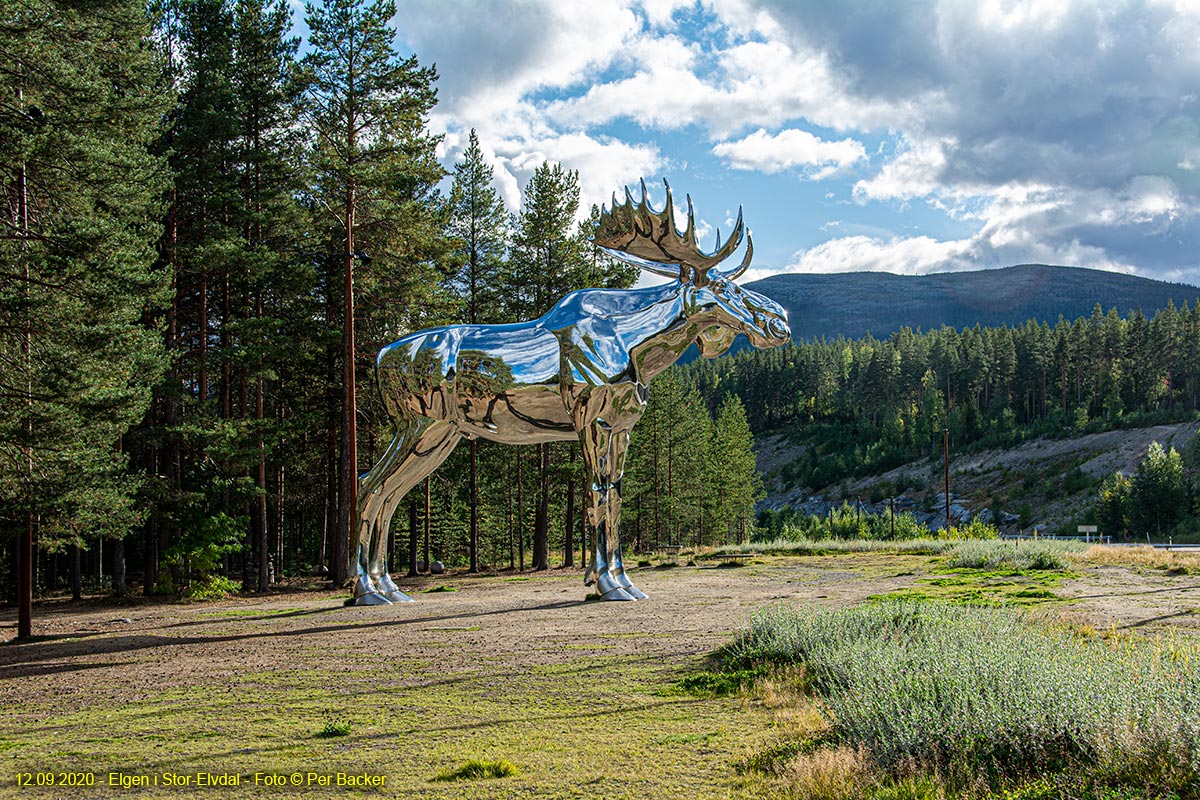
{"x":1043,"y":483}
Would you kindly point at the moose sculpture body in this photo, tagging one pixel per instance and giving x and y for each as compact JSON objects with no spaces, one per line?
{"x":581,"y":371}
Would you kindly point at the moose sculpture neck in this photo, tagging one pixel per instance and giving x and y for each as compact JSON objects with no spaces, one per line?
{"x":668,"y":327}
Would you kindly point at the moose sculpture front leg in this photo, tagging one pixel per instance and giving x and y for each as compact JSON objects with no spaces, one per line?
{"x":604,"y":448}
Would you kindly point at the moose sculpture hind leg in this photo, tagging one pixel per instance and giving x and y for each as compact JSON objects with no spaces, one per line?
{"x":418,"y":448}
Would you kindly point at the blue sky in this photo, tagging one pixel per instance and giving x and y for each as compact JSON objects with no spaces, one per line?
{"x":910,"y":136}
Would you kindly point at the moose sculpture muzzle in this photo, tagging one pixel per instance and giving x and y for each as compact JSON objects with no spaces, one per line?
{"x":581,"y":371}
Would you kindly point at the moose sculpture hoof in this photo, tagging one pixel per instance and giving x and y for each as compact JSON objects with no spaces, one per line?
{"x":617,"y":593}
{"x":391,"y":591}
{"x":371,"y":599}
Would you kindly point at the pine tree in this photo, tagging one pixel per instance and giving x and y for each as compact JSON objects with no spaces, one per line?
{"x":547,"y":262}
{"x":277,"y":284}
{"x":479,"y":227}
{"x":80,"y":191}
{"x":738,"y":484}
{"x":376,"y":171}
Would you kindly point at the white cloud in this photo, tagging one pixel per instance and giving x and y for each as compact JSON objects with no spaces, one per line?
{"x":772,"y":153}
{"x":904,"y":256}
{"x":914,"y":172}
{"x":1066,"y":131}
{"x":501,"y":51}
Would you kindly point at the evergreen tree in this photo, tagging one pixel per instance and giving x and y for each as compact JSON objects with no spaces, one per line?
{"x":275,"y":342}
{"x":376,"y":169}
{"x":547,"y":261}
{"x":737,"y":484}
{"x":479,"y":227}
{"x":1114,"y":505}
{"x":81,"y":190}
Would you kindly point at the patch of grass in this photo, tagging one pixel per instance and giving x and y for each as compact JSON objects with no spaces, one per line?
{"x":773,"y":760}
{"x":454,"y":628}
{"x":1172,"y":562}
{"x":684,"y":738}
{"x":667,"y":565}
{"x":517,"y":578}
{"x":990,"y":587}
{"x":718,"y":684}
{"x":475,"y":769}
{"x":439,"y":588}
{"x":335,"y":728}
{"x":235,"y":613}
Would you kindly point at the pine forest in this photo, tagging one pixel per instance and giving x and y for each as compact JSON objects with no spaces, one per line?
{"x":210,"y":230}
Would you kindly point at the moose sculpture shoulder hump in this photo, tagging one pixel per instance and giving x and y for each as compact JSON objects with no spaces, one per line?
{"x":581,"y":371}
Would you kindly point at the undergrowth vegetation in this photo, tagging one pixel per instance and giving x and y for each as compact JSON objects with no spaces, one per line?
{"x":803,"y":546}
{"x":1016,"y":554}
{"x":986,"y":702}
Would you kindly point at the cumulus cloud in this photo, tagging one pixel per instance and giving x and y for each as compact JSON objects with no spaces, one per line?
{"x":772,"y":153}
{"x":1066,"y":132}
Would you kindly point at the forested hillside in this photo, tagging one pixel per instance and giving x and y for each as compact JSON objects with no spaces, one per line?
{"x":864,"y":406}
{"x":857,"y":303}
{"x":207,"y":240}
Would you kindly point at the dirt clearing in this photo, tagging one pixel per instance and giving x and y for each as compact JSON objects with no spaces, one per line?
{"x":579,"y":696}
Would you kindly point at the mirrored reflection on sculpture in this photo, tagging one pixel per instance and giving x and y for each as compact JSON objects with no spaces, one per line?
{"x":581,"y":371}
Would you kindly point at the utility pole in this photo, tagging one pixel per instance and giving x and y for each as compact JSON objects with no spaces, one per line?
{"x":946,"y":465}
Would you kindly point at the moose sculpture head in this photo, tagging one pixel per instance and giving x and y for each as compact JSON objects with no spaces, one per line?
{"x":580,"y":371}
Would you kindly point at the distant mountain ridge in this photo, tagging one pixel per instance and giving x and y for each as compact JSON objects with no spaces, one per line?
{"x":852,"y":303}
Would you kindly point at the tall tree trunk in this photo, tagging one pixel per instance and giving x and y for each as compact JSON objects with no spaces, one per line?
{"x":428,"y":563}
{"x":412,"y":538}
{"x":474,"y":494}
{"x":202,"y":376}
{"x":569,"y":527}
{"x":520,"y":518}
{"x":150,"y":544}
{"x":25,"y":548}
{"x":348,"y":485}
{"x":541,"y":528}
{"x":118,"y":567}
{"x":25,"y":579}
{"x":260,"y":481}
{"x":76,"y":572}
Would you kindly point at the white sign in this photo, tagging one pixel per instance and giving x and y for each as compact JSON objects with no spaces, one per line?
{"x":1088,"y":529}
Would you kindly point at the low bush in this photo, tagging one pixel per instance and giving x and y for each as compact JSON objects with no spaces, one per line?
{"x":975,"y":529}
{"x":1017,"y":555}
{"x":993,"y":693}
{"x":212,"y":587}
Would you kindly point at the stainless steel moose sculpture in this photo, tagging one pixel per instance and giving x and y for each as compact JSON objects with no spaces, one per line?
{"x":578,"y":372}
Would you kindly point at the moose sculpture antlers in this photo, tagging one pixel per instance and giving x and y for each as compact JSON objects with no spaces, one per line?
{"x":579,"y":372}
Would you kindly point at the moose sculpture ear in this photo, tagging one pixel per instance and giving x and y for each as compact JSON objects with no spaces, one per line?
{"x":715,"y":340}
